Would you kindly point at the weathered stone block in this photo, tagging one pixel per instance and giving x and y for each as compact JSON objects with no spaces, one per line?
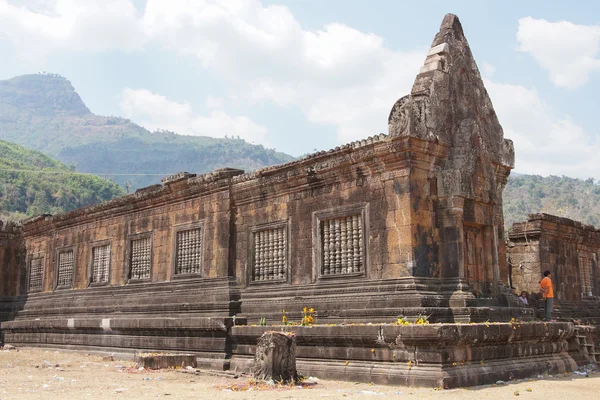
{"x":275,"y":357}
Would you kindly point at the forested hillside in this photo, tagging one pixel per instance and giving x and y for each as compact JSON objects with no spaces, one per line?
{"x":563,"y":196}
{"x":50,"y":187}
{"x":44,"y":112}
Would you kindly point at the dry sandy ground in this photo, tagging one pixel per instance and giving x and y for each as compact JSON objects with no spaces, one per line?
{"x":34,"y":374}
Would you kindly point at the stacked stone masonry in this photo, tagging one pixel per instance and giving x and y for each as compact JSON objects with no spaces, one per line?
{"x":566,"y":248}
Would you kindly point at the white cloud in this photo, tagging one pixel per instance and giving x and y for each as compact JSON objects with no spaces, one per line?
{"x":337,"y":75}
{"x":70,"y":25}
{"x":214,"y":102}
{"x":569,"y":52}
{"x":546,"y":143}
{"x":155,"y":111}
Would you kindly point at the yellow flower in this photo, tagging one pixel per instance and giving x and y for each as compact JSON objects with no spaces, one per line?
{"x":311,"y":310}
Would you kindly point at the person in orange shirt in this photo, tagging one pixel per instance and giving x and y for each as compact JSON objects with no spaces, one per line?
{"x":547,"y":294}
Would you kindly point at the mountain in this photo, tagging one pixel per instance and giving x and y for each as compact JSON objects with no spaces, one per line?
{"x":44,"y":112}
{"x":51,"y":187}
{"x":572,"y":198}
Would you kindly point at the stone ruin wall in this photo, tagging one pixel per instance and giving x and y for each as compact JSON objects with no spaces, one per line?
{"x":365,"y":183}
{"x":155,"y":215}
{"x":12,"y":273}
{"x":421,"y":203}
{"x":11,"y":254}
{"x":307,"y":230}
{"x":567,"y":248}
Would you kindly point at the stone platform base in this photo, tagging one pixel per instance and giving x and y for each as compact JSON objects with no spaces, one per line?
{"x":379,"y":301}
{"x":436,"y":355}
{"x":207,"y":338}
{"x":164,"y":361}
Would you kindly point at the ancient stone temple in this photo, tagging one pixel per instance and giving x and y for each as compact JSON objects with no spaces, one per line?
{"x":569,"y":250}
{"x":407,"y":223}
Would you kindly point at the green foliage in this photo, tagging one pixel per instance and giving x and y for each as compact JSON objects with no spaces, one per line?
{"x":50,"y":187}
{"x":562,"y":196}
{"x":43,"y":112}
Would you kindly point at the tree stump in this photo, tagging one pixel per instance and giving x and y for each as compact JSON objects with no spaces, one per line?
{"x":276,"y":357}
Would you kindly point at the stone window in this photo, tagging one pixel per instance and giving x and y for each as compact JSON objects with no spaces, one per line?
{"x":36,"y":274}
{"x":340,"y":242}
{"x":586,"y":275}
{"x":188,"y":251}
{"x":140,"y":258}
{"x":269,"y":253}
{"x":100,"y":264}
{"x":65,"y":268}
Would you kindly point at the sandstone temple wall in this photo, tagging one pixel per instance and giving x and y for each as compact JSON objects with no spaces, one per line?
{"x":11,"y":259}
{"x":408,"y":222}
{"x":567,"y":248}
{"x":123,"y":224}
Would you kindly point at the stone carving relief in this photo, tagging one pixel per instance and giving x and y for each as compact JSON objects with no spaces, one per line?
{"x":398,"y":119}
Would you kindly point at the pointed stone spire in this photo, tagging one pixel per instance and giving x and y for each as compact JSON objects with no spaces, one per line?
{"x":449,"y":104}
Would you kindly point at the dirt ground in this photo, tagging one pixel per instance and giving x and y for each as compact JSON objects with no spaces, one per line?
{"x":50,"y":375}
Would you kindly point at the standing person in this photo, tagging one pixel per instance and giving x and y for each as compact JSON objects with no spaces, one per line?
{"x":547,"y":293}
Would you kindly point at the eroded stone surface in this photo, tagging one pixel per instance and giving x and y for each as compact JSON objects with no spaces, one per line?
{"x":275,"y":357}
{"x":568,"y":249}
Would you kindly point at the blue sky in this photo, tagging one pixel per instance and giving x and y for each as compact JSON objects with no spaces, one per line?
{"x":304,"y":75}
